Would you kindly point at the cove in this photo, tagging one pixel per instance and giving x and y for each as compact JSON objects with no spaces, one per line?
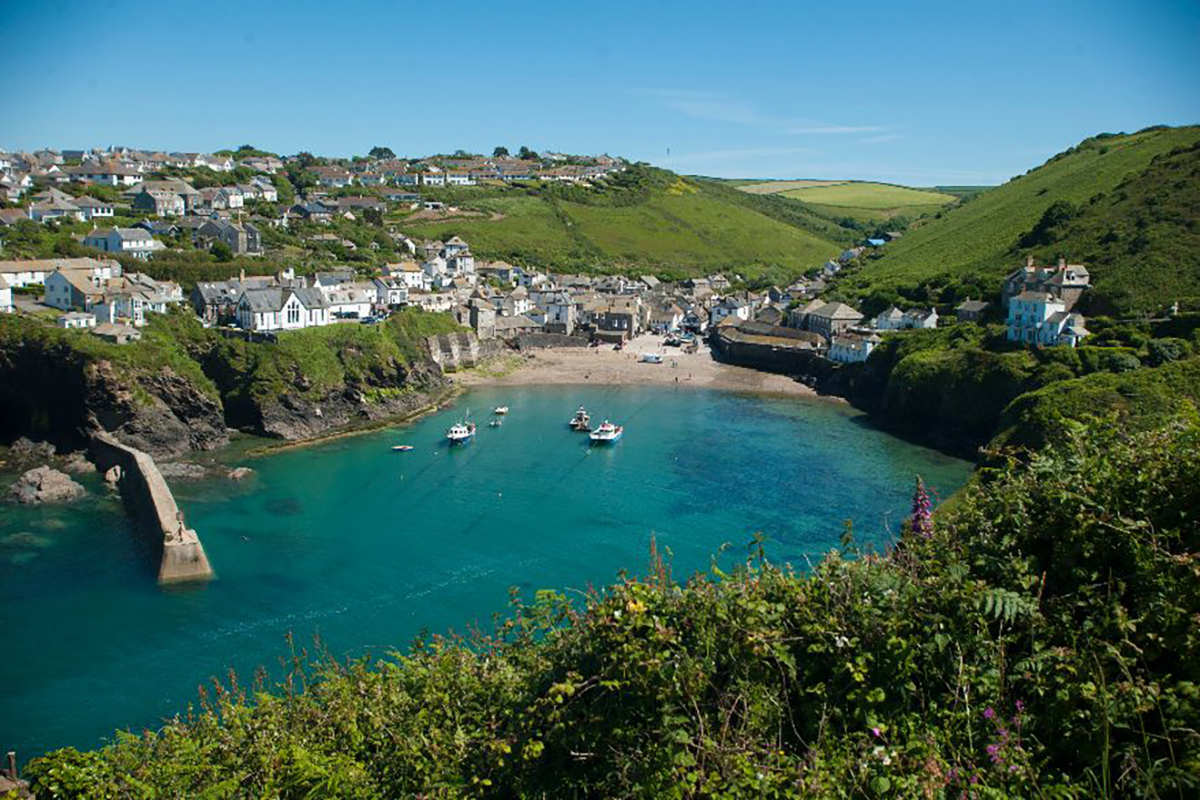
{"x":368,"y":547}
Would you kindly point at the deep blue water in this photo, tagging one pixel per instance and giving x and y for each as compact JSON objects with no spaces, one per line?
{"x":368,"y":547}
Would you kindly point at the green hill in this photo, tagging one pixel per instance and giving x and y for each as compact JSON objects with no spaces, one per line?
{"x":865,"y":201}
{"x":644,"y":219}
{"x":1125,"y":205}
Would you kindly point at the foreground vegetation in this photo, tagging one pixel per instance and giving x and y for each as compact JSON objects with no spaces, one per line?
{"x":1035,"y":638}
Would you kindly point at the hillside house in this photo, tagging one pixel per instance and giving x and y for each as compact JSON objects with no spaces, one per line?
{"x":851,"y":348}
{"x":19,"y":274}
{"x":1065,"y":282}
{"x":971,"y":310}
{"x":93,"y":208}
{"x":6,"y":296}
{"x":72,"y":289}
{"x":279,"y":308}
{"x":832,"y":318}
{"x":561,"y":314}
{"x":76,"y":320}
{"x":893,"y":319}
{"x":351,"y":300}
{"x":242,"y":238}
{"x":1040,"y":318}
{"x":730,"y":308}
{"x":390,"y":292}
{"x":129,"y":241}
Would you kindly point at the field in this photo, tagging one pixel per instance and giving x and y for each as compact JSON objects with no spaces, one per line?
{"x":864,"y":201}
{"x":675,"y":227}
{"x":1130,"y":216}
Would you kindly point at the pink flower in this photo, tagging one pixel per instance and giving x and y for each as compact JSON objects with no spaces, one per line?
{"x":876,"y":732}
{"x":989,"y":713}
{"x":922,"y":511}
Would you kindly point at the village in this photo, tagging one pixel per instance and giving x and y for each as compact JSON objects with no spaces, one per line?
{"x":99,"y":291}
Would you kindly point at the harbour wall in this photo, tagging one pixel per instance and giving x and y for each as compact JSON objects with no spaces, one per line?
{"x":772,"y":354}
{"x":455,"y":351}
{"x":152,"y":508}
{"x":539,"y":341}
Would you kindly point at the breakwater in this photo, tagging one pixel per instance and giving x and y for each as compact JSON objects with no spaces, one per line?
{"x":152,"y":508}
{"x":773,"y":349}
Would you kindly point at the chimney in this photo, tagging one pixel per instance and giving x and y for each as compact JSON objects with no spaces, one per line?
{"x":1029,"y":261}
{"x":1062,"y":263}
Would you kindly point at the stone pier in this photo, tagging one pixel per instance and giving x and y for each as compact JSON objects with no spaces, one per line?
{"x":152,"y":507}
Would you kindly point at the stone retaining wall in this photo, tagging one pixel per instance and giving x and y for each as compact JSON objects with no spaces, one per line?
{"x":538,"y":341}
{"x":463,"y":350}
{"x":153,"y":509}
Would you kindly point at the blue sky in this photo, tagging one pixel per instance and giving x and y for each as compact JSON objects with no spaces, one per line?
{"x":920,"y":93}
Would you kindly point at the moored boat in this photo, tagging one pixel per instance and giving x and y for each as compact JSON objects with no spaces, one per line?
{"x":581,"y":422}
{"x":501,"y":410}
{"x":606,"y":433}
{"x":402,"y":448}
{"x":461,"y":432}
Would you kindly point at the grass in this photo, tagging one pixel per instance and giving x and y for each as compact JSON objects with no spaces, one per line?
{"x":863,"y":201}
{"x":672,"y":226}
{"x":1103,"y":178}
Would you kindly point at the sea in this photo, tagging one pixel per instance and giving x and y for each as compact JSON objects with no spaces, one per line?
{"x":353,"y":548}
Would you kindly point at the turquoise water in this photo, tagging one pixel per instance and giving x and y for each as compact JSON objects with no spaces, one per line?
{"x":368,"y":547}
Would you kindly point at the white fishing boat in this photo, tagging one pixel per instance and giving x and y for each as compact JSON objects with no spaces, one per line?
{"x":501,"y":410}
{"x":581,"y":422}
{"x":651,"y":358}
{"x":461,"y":432}
{"x":402,"y":448}
{"x":606,"y":433}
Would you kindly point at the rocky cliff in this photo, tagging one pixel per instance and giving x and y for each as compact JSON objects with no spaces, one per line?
{"x":51,"y":391}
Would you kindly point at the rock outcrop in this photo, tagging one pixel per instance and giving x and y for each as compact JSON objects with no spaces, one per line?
{"x":45,"y":485}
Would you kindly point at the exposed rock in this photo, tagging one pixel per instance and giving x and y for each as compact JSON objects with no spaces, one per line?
{"x":78,"y":464}
{"x":45,"y":485}
{"x":112,"y":476}
{"x":183,"y":470}
{"x":240,"y":473}
{"x":297,"y":416}
{"x":168,"y":417}
{"x":24,"y":449}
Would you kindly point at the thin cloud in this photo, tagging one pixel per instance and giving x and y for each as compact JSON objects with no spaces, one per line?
{"x":710,"y":156}
{"x":826,"y":129}
{"x":887,"y":137}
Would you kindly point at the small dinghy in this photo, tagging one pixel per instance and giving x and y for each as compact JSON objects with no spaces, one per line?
{"x":402,"y":448}
{"x":501,"y":410}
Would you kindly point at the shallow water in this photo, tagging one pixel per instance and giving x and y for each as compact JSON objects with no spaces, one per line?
{"x":368,"y":547}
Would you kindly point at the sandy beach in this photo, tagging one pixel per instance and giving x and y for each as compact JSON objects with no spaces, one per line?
{"x":605,"y":366}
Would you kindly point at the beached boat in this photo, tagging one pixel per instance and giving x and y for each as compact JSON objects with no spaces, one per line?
{"x":581,"y":422}
{"x":461,"y":432}
{"x":402,"y":448}
{"x":606,"y":433}
{"x":651,"y":358}
{"x":501,"y":410}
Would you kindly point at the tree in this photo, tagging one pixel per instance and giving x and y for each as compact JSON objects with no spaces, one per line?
{"x":221,"y":252}
{"x":305,"y":159}
{"x":500,"y":152}
{"x":378,"y":152}
{"x":525,"y":154}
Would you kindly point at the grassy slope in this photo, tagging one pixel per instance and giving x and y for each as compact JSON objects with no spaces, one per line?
{"x":979,"y":238}
{"x":673,"y":226}
{"x":862,"y":200}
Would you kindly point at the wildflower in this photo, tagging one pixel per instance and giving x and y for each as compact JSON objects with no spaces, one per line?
{"x":989,"y":713}
{"x":876,"y":732}
{"x":922,"y":511}
{"x":1020,"y":706}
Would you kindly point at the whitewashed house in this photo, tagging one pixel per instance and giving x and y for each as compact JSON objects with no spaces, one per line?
{"x":390,"y":292}
{"x":135,"y":242}
{"x":76,"y":319}
{"x":276,"y":308}
{"x":1041,"y":318}
{"x":729,"y":308}
{"x":851,"y":348}
{"x":93,"y":208}
{"x":6,"y":301}
{"x":350,"y":300}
